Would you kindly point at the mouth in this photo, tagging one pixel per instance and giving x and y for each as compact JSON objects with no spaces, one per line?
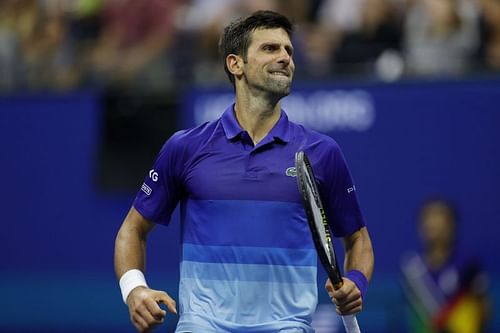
{"x":280,"y":72}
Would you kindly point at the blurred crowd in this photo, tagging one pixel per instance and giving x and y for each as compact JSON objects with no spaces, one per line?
{"x":169,"y":44}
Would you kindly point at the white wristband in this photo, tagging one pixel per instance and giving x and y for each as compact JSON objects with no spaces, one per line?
{"x":130,"y":280}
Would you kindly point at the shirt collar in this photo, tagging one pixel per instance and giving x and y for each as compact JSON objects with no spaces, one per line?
{"x":232,"y":129}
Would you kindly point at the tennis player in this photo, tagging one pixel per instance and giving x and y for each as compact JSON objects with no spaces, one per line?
{"x":248,"y":262}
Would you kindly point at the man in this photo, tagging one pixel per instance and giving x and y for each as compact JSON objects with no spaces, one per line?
{"x":447,"y":291}
{"x":248,"y":262}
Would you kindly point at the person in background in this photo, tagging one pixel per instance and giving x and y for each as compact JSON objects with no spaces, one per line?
{"x":379,"y":32}
{"x":34,"y":49}
{"x":489,"y":51}
{"x":440,"y":37}
{"x":447,"y":290}
{"x":133,"y":44}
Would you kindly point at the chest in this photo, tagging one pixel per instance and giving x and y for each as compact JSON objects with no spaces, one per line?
{"x":235,"y":173}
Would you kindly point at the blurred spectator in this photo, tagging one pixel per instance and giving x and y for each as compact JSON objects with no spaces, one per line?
{"x":351,"y":38}
{"x":48,"y":55}
{"x":440,"y":36}
{"x":171,"y":44}
{"x":10,"y":48}
{"x":315,"y":46}
{"x":134,"y":42}
{"x":447,"y":291}
{"x":83,"y":18}
{"x":490,"y":43}
{"x":378,"y":33}
{"x":199,"y":23}
{"x":343,"y":15}
{"x":36,"y":52}
{"x":19,"y":20}
{"x":334,"y":19}
{"x":85,"y":22}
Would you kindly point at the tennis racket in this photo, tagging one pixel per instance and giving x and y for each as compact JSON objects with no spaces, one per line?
{"x":318,"y":224}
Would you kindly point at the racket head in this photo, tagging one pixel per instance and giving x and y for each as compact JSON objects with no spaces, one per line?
{"x":316,"y":218}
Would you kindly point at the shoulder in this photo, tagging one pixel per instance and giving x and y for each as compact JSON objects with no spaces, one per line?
{"x":192,"y":138}
{"x":183,"y":144}
{"x":323,"y":151}
{"x":313,"y":140}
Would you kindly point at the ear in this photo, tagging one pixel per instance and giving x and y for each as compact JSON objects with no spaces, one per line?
{"x":234,"y":64}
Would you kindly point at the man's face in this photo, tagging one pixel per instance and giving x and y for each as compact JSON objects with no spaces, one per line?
{"x":437,"y":227}
{"x":269,"y":65}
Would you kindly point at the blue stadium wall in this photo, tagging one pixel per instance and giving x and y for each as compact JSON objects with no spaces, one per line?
{"x":404,"y":142}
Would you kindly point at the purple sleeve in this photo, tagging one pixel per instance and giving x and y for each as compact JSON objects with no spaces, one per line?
{"x":339,"y":195}
{"x":161,"y":190}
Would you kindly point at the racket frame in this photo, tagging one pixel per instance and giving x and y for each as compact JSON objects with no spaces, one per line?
{"x":327,"y":256}
{"x":326,"y":252}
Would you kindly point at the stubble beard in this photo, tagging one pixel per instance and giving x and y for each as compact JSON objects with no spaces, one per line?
{"x":275,"y":87}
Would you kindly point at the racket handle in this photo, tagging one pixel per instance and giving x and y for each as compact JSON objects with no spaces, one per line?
{"x":351,"y":324}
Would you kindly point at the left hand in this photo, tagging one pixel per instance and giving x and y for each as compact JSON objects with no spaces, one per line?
{"x":347,"y":299}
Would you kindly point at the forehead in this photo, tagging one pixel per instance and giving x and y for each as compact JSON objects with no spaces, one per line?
{"x":269,"y":35}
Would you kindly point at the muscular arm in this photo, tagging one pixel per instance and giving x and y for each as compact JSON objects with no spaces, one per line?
{"x":358,"y":256}
{"x":359,"y":253}
{"x":130,"y":253}
{"x":130,"y":245}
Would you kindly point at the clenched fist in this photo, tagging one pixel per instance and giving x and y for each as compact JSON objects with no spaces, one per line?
{"x":347,"y":299}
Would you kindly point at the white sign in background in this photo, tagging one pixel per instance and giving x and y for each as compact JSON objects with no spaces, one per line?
{"x":322,"y":110}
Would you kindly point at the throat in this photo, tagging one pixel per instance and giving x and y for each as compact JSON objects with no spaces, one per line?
{"x":437,"y":257}
{"x":257,"y":123}
{"x":259,"y":128}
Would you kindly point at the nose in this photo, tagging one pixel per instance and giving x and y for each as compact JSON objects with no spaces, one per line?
{"x":284,"y":57}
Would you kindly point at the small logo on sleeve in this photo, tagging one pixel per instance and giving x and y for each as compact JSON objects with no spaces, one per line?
{"x":351,"y":189}
{"x":146,"y":189}
{"x":291,"y":172}
{"x":153,"y":175}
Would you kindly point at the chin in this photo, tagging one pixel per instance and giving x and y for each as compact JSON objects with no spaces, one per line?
{"x":279,"y":94}
{"x":281,"y":89}
{"x":276,"y":89}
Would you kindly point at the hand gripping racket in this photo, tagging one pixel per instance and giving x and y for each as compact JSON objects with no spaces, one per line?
{"x":318,"y":224}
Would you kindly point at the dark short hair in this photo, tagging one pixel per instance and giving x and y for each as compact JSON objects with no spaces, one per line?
{"x":236,"y":37}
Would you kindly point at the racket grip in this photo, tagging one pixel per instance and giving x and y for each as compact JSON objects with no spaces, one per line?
{"x":350,"y":324}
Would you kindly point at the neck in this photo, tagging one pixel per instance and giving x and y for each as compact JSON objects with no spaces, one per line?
{"x":437,"y":256}
{"x":257,"y":116}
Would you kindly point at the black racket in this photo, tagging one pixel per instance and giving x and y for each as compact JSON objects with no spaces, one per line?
{"x":318,"y":224}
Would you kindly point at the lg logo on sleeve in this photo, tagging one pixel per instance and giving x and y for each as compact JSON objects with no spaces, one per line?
{"x":153,"y":175}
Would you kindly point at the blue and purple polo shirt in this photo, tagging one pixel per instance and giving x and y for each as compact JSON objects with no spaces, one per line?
{"x":248,"y":262}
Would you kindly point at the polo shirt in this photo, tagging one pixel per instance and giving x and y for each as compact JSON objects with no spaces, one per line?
{"x":248,"y":262}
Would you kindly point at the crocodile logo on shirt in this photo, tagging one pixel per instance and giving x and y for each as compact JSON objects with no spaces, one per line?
{"x":291,"y":172}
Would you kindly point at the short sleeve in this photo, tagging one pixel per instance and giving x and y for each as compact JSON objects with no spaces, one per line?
{"x":162,"y":187}
{"x":339,"y":195}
